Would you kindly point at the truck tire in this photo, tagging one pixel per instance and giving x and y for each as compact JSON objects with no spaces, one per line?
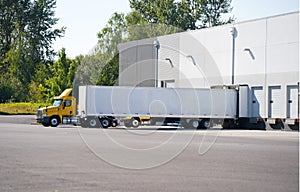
{"x":93,"y":123}
{"x":54,"y":121}
{"x":206,"y":123}
{"x":45,"y":124}
{"x":105,"y":123}
{"x":194,"y":123}
{"x":135,"y":123}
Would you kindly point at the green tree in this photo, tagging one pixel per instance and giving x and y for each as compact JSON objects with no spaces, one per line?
{"x":156,"y":11}
{"x":187,"y":14}
{"x":62,"y":75}
{"x":212,"y":10}
{"x":37,"y":90}
{"x":26,"y":36}
{"x":6,"y":89}
{"x":108,"y":40}
{"x":111,"y":35}
{"x":138,"y":28}
{"x":89,"y":69}
{"x":12,"y":23}
{"x":110,"y":73}
{"x":184,"y":14}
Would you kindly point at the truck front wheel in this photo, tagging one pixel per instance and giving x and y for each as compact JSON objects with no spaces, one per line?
{"x":54,"y":121}
{"x":45,"y":124}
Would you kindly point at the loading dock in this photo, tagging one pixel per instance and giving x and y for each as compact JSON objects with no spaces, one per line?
{"x":274,"y":102}
{"x":257,"y":100}
{"x":292,"y":105}
{"x":265,"y":58}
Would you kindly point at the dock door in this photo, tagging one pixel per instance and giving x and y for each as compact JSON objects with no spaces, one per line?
{"x":257,"y":100}
{"x":292,"y":102}
{"x":275,"y":102}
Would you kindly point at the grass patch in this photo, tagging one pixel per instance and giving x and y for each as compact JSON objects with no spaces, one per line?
{"x":20,"y":108}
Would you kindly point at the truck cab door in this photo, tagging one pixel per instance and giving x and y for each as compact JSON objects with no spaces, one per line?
{"x":67,"y":108}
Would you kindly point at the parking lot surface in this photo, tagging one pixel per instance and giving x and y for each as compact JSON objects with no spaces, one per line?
{"x":67,"y":158}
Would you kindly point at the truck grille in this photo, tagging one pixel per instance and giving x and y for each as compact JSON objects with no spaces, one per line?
{"x":39,"y":113}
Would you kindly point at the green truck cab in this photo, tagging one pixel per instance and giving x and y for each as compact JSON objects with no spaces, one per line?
{"x":63,"y":110}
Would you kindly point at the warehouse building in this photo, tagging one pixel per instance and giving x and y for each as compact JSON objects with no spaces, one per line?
{"x":261,"y":53}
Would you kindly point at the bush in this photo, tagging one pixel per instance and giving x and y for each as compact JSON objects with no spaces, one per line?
{"x":6,"y":91}
{"x":20,"y":108}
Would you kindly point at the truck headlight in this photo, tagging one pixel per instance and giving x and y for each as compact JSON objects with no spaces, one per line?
{"x":44,"y":115}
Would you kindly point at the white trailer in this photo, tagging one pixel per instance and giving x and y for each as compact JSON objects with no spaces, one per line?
{"x":102,"y":106}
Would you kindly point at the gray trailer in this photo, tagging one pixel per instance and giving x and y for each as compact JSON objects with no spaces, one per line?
{"x":103,"y":106}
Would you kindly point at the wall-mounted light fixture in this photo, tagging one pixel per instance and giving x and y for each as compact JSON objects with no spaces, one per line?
{"x":170,"y":61}
{"x":156,"y":45}
{"x":234,"y":34}
{"x":247,"y":49}
{"x":192,"y":58}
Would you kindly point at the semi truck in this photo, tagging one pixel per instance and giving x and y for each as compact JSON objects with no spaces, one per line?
{"x":101,"y":106}
{"x":63,"y":110}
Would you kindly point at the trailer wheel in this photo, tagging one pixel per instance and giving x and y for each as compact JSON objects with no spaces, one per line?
{"x":54,"y":121}
{"x":135,"y":123}
{"x":205,"y":123}
{"x":105,"y":123}
{"x":94,"y":122}
{"x":194,"y":123}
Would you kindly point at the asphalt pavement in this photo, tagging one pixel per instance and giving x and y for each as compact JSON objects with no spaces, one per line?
{"x":18,"y":119}
{"x":68,"y":158}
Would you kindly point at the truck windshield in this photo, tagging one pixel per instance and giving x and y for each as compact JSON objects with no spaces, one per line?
{"x":57,"y":102}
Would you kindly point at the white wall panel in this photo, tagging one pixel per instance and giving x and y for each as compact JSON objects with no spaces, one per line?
{"x":283,"y":29}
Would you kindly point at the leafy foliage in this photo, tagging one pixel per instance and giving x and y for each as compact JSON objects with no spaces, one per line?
{"x":20,"y":108}
{"x":138,"y":28}
{"x":109,"y":73}
{"x":107,"y":67}
{"x":185,"y":14}
{"x":111,"y":35}
{"x":27,"y":68}
{"x":212,"y":11}
{"x":6,"y":90}
{"x":62,"y":74}
{"x":26,"y":37}
{"x":156,"y":11}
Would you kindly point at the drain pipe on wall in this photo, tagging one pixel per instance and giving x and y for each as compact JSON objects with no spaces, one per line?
{"x":156,"y":46}
{"x":233,"y":32}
